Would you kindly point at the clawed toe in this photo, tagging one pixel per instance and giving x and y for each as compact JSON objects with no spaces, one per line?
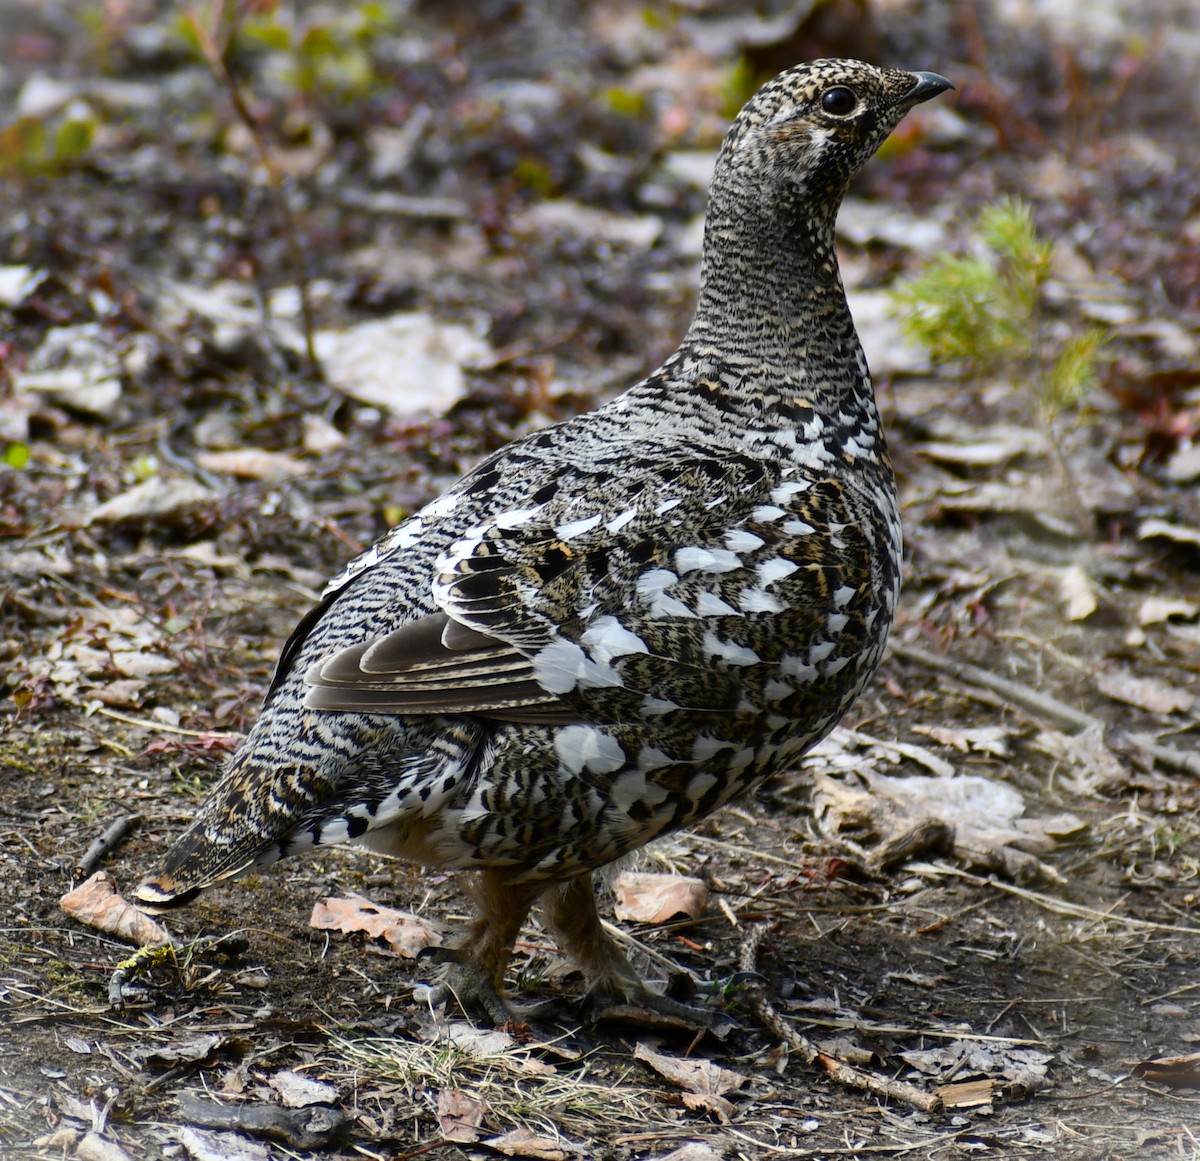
{"x":649,"y":1009}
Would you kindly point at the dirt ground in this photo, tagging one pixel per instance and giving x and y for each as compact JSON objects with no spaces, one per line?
{"x":983,"y":887}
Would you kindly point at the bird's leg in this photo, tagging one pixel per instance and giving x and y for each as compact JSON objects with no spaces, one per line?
{"x":476,"y":978}
{"x":571,"y":913}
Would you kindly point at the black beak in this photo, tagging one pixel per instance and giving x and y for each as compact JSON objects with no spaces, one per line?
{"x":928,"y":85}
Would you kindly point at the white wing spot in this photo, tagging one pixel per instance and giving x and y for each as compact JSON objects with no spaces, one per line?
{"x":765,"y":513}
{"x":793,"y":666}
{"x":782,"y":493}
{"x":657,"y":580}
{"x":562,"y":665}
{"x":705,"y":746}
{"x":739,"y":540}
{"x":517,"y":516}
{"x":442,"y":506}
{"x":665,"y":605}
{"x":842,"y":596}
{"x":667,"y":506}
{"x":577,"y":527}
{"x":618,"y":522}
{"x":652,"y":758}
{"x":778,"y":567}
{"x":587,"y":748}
{"x":756,"y":600}
{"x":695,"y":559}
{"x":729,"y":651}
{"x":710,"y":605}
{"x":608,"y":638}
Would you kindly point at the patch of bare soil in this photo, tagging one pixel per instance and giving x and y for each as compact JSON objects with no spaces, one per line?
{"x":977,"y":899}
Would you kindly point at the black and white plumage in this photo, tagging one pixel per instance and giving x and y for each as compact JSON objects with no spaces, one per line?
{"x":614,"y":625}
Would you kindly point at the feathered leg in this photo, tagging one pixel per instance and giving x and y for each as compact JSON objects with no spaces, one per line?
{"x":475,"y":978}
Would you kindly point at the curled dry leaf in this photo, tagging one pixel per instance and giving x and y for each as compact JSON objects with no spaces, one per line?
{"x":646,"y":898}
{"x":484,"y":1043}
{"x":404,"y":364}
{"x":408,"y":935}
{"x":1018,"y":1066}
{"x":991,"y":740}
{"x":157,"y":500}
{"x":96,"y":903}
{"x":875,"y":811}
{"x":1176,"y":1071}
{"x":703,"y":1081}
{"x":459,"y":1115}
{"x":526,"y":1143}
{"x":93,"y":1147}
{"x":696,"y":1151}
{"x":298,"y":1092}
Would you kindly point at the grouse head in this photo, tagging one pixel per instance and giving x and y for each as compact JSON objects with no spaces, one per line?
{"x":803,"y":136}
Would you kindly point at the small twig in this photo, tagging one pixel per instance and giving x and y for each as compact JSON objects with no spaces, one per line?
{"x":216,"y":63}
{"x":838,"y":1070}
{"x":1039,"y":705}
{"x":112,"y":838}
{"x":1042,"y":705}
{"x":403,"y":205}
{"x":1056,"y":906}
{"x":160,"y":727}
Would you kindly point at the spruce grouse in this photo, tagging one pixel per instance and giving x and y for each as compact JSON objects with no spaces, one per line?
{"x":615,"y":625}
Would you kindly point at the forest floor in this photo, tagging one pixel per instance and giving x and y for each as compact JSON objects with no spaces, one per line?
{"x":983,"y":887}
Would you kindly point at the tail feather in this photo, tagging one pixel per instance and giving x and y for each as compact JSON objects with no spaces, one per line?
{"x":336,"y":781}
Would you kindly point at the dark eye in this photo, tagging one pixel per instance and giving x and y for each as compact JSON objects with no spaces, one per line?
{"x":839,"y":101}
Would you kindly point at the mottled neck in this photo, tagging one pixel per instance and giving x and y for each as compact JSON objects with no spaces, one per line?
{"x":770,"y":286}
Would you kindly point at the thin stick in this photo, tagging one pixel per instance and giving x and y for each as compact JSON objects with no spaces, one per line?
{"x":838,"y":1070}
{"x":112,"y":838}
{"x":216,"y":62}
{"x":1042,"y":705}
{"x":160,"y":727}
{"x":1049,"y":903}
{"x":1039,"y":705}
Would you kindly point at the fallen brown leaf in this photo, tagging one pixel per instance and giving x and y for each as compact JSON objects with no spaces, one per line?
{"x":1176,"y":1071}
{"x":703,"y":1081}
{"x":525,"y":1143}
{"x":408,"y":935}
{"x":96,"y":903}
{"x":459,"y":1115}
{"x":647,"y":898}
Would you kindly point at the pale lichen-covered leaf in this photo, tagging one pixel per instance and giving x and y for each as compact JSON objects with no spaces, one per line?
{"x":404,"y":364}
{"x":298,"y":1092}
{"x":252,"y":463}
{"x":1146,"y":693}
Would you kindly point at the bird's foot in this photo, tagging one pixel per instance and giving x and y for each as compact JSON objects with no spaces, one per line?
{"x":470,"y":989}
{"x":645,"y":1008}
